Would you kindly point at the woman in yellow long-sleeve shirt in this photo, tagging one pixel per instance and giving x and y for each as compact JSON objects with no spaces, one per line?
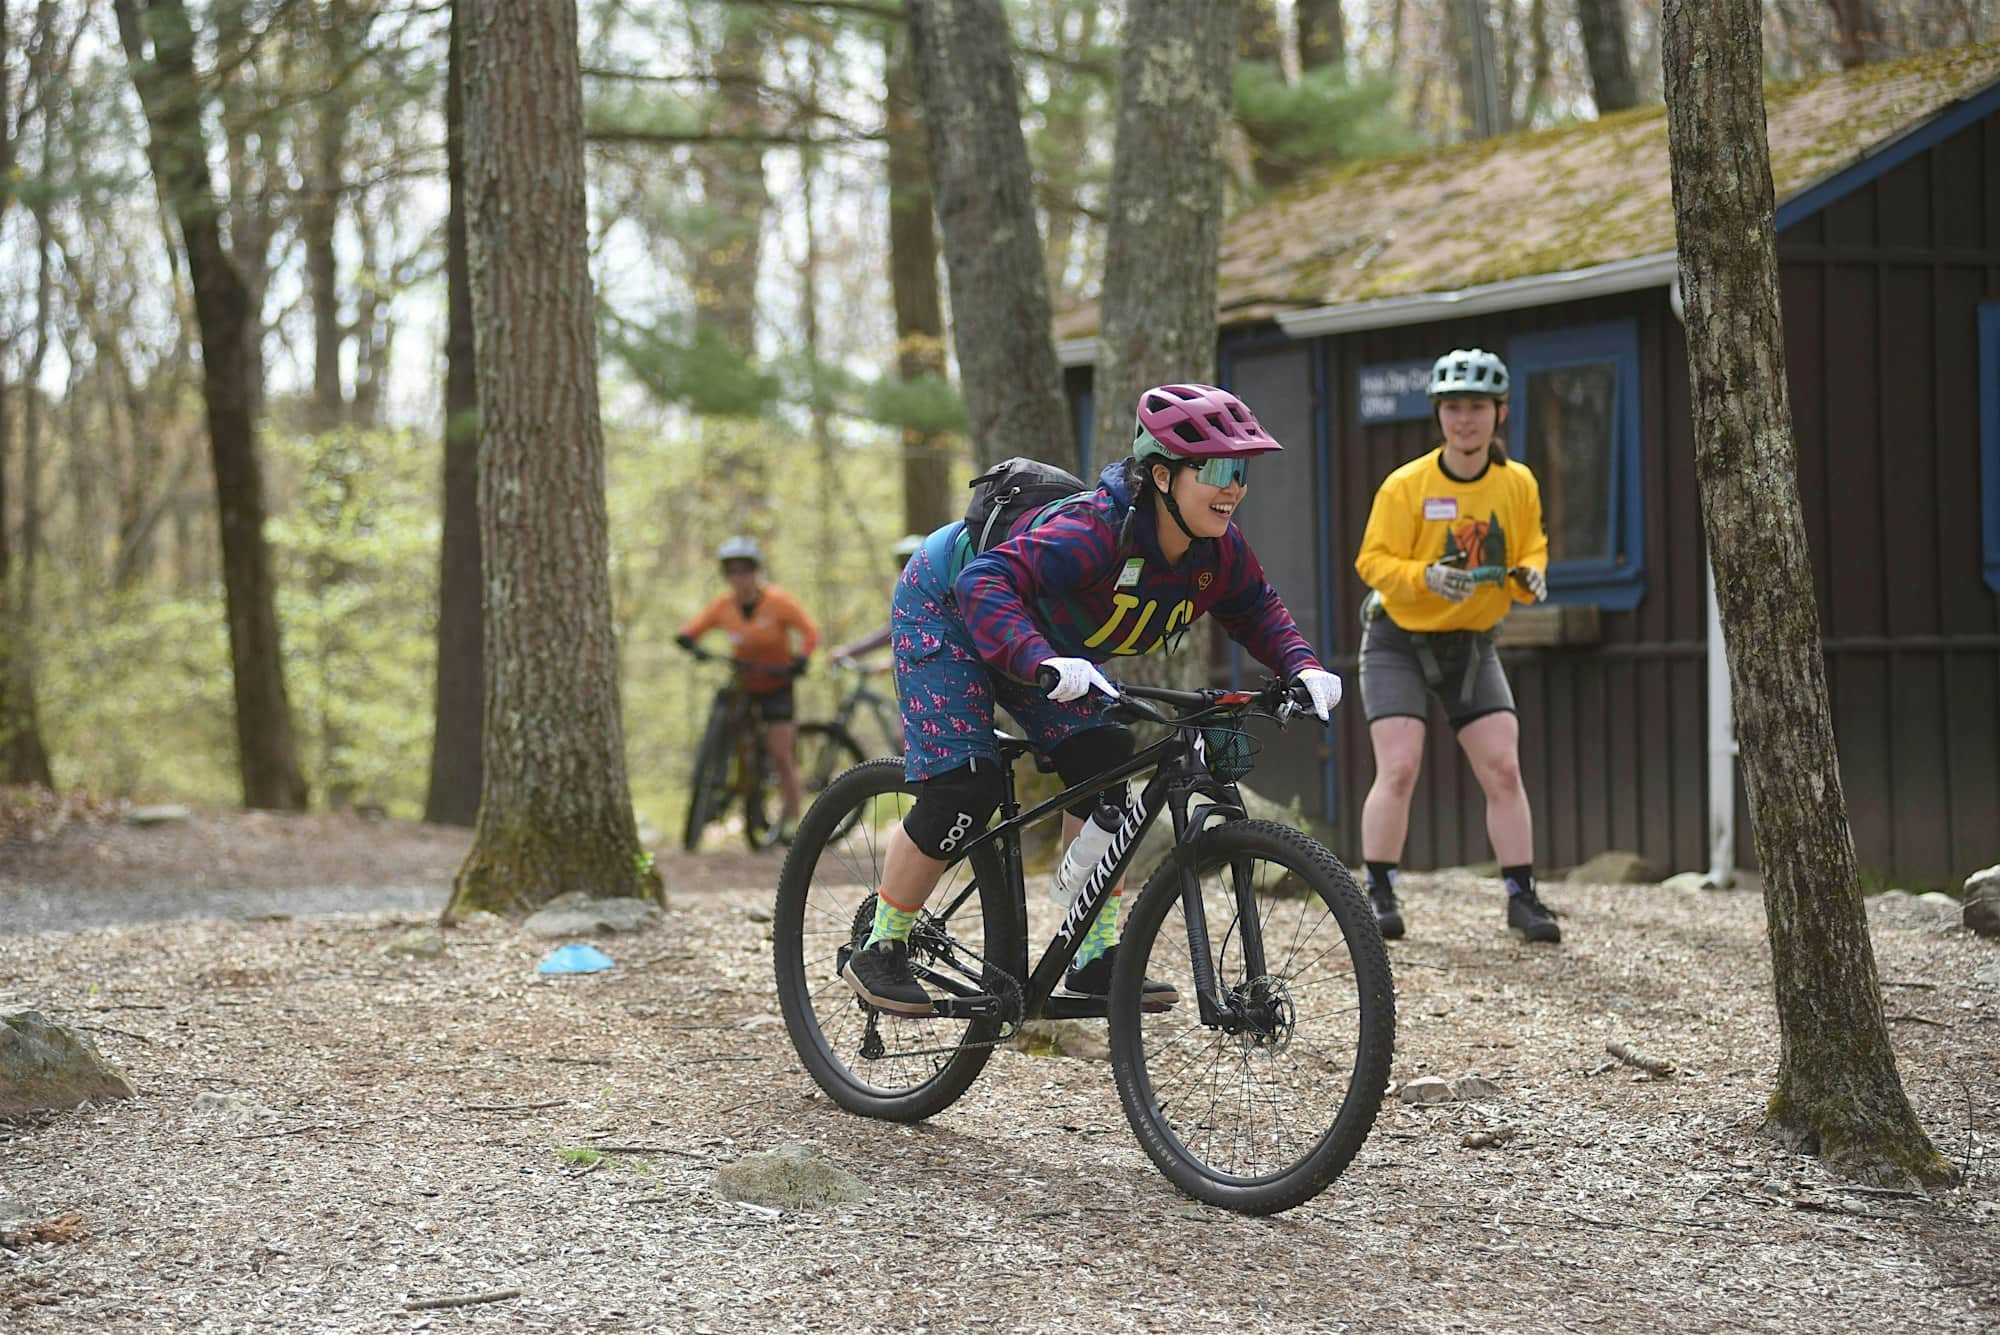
{"x":1454,"y":540}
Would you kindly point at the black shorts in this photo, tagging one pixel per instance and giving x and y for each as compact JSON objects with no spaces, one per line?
{"x":774,"y":706}
{"x":1394,"y":685}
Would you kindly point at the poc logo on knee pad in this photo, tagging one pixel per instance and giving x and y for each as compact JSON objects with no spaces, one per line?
{"x":956,"y":832}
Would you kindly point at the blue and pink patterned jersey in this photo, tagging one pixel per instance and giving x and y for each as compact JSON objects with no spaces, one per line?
{"x":1066,"y":588}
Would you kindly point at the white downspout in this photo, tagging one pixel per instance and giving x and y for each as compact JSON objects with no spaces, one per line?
{"x":1721,"y":716}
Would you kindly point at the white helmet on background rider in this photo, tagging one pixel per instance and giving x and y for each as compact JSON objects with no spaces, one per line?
{"x":1469,"y":371}
{"x":740,"y":548}
{"x":906,"y":547}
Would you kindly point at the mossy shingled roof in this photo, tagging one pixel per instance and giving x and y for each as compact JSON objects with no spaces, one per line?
{"x":1544,"y":202}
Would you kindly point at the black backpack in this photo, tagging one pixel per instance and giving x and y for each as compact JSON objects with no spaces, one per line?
{"x":1010,"y":489}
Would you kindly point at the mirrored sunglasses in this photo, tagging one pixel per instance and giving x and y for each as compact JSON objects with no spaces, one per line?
{"x":1223,"y":472}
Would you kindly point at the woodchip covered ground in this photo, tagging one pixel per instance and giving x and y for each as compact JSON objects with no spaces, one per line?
{"x":326,"y":1131}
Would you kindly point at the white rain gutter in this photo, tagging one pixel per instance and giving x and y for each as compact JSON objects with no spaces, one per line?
{"x":1515,"y":293}
{"x":1721,"y":714}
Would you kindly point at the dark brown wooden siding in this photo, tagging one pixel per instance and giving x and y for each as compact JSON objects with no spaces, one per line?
{"x":1881,"y":294}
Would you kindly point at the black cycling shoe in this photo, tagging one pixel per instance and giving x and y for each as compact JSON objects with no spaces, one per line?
{"x":880,"y":975}
{"x":1094,"y":980}
{"x":1530,"y":919}
{"x":1388,"y":913}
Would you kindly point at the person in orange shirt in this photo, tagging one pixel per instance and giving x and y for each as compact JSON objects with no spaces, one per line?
{"x":760,"y":620}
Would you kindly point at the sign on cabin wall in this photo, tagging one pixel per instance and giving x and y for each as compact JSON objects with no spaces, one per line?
{"x":1393,"y":392}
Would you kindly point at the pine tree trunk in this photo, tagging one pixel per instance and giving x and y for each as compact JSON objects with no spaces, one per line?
{"x":920,"y":353}
{"x":1322,"y":33}
{"x":319,"y":209}
{"x":232,"y":384}
{"x":556,"y":812}
{"x":1611,"y":83}
{"x":1158,"y":304}
{"x":1838,"y":1094}
{"x":1860,"y":31}
{"x":453,"y":797}
{"x":732,"y":183}
{"x":985,"y":204}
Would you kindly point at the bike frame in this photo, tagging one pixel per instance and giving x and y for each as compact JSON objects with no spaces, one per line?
{"x":1180,"y":773}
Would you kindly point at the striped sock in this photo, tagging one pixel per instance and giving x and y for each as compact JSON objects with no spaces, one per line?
{"x":1103,"y":933}
{"x":891,"y":923}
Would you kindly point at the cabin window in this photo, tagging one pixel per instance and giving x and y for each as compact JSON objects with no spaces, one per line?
{"x":1574,"y":419}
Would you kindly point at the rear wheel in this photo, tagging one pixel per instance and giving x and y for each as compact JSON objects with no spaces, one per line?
{"x":873,"y":1062}
{"x":825,"y":751}
{"x":1260,"y":1110}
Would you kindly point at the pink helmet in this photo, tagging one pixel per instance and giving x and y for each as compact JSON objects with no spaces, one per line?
{"x":1197,"y":422}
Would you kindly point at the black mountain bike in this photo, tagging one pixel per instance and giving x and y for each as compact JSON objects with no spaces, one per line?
{"x":1254,"y":1097}
{"x":732,"y":764}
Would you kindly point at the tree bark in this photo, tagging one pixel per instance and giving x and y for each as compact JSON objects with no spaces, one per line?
{"x":985,"y":203}
{"x":913,"y":282}
{"x":232,"y":384}
{"x":1258,"y":36}
{"x":1838,"y":1094}
{"x":1322,"y":33}
{"x":319,"y":209}
{"x":1612,"y":85}
{"x":1472,"y":54}
{"x":453,"y":796}
{"x":732,"y":182}
{"x":1860,"y":31}
{"x":1161,"y":245}
{"x":556,"y":812}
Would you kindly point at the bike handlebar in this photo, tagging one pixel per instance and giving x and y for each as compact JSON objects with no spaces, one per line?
{"x":1279,"y":700}
{"x":702,"y":655}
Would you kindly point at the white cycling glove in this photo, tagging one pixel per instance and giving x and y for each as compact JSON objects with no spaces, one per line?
{"x":1324,"y":687}
{"x":1454,"y":584}
{"x":1533,"y":580}
{"x":1077,"y":678}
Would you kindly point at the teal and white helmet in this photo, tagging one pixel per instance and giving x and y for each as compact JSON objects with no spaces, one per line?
{"x":1468,"y":371}
{"x":740,"y":548}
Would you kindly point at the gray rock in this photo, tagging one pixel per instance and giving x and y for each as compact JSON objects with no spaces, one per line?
{"x":1425,"y":1089}
{"x":790,"y":1177}
{"x":1938,"y":902}
{"x":165,"y":815}
{"x":419,"y":943}
{"x":1890,"y":899}
{"x":1990,"y":975}
{"x":1984,"y":882}
{"x":581,"y":914}
{"x":1616,"y":867}
{"x":44,"y":1066}
{"x":13,"y":1210}
{"x":1468,"y":1087}
{"x":1982,"y":915}
{"x":1686,"y":881}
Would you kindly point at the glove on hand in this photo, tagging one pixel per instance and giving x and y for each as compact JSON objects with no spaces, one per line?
{"x":799,"y":664}
{"x":1325,"y":689}
{"x":1533,"y":580}
{"x":1076,"y":677}
{"x":1450,"y":583}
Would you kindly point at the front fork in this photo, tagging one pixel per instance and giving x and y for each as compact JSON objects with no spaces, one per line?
{"x":1247,"y":927}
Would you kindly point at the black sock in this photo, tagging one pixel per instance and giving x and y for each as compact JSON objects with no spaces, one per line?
{"x":1519,"y":879}
{"x":1382,"y":876}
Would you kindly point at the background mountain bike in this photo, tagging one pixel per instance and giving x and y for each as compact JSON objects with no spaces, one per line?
{"x":1252,"y":1094}
{"x":860,"y":697}
{"x":732,"y":764}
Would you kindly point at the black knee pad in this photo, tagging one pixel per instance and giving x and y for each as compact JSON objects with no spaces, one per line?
{"x":1082,"y":756}
{"x":954,"y":808}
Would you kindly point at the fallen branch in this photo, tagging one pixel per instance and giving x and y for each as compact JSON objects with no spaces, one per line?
{"x":310,"y":1126}
{"x":1920,"y":1019}
{"x":461,"y":1300}
{"x":1631,"y":1056}
{"x":1489,"y":1140}
{"x":650,"y":1149}
{"x":510,"y":1107}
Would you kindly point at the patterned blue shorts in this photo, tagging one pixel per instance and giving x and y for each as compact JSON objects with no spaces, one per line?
{"x":947,"y":694}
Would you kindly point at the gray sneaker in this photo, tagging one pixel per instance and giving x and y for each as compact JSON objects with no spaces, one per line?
{"x":1388,"y":912}
{"x":1094,"y":980}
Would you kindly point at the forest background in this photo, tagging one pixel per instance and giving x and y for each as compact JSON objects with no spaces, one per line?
{"x":773,"y":350}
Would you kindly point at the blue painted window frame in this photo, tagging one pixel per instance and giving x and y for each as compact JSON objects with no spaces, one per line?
{"x":1989,"y":439}
{"x":1617,"y":581}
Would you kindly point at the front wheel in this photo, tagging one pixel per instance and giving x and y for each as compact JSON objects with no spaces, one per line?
{"x":1260,"y":1108}
{"x":872,"y":1062}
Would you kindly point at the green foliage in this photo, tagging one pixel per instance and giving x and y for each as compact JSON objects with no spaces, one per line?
{"x":639,"y":109}
{"x":697,"y":370}
{"x":928,"y":404}
{"x":579,"y":1155}
{"x":1323,"y":117}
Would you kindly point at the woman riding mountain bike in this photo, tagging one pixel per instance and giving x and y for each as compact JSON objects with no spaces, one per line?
{"x":772,"y":639}
{"x":1122,"y":570}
